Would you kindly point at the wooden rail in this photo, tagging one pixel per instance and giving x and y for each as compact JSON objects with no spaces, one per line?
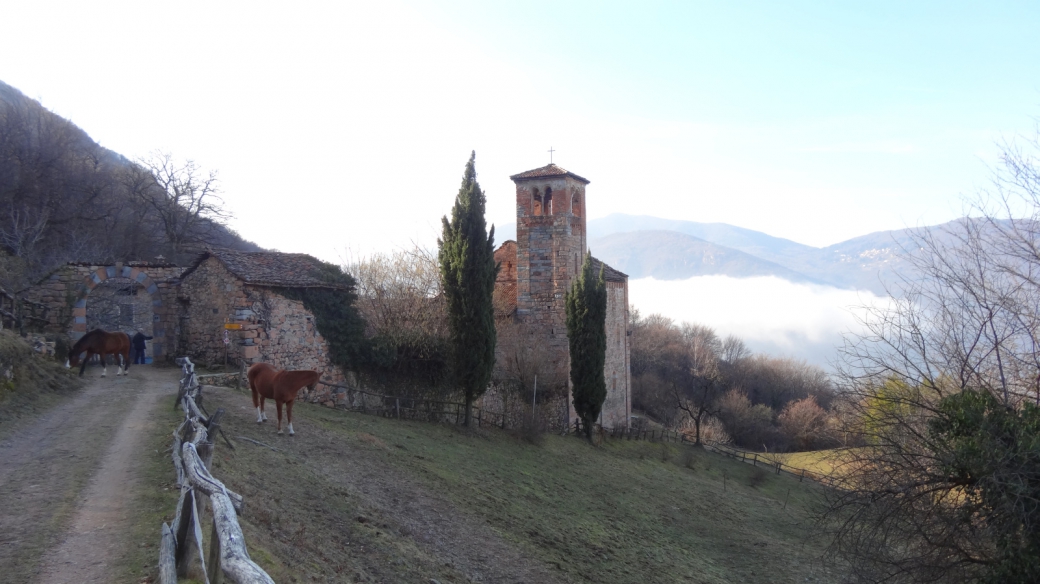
{"x":181,"y":545}
{"x":759,"y":459}
{"x":411,"y":408}
{"x":746,"y":456}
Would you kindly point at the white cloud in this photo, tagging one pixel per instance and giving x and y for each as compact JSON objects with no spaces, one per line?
{"x":772,"y":315}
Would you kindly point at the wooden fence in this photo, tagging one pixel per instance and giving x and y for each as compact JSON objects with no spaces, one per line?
{"x":746,"y":456}
{"x":410,"y":408}
{"x":759,"y":459}
{"x":181,"y":547}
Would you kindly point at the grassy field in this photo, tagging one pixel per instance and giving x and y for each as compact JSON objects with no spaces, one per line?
{"x":354,"y":498}
{"x":823,"y":462}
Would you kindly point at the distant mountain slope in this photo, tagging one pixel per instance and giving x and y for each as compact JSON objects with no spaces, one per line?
{"x":756,"y":243}
{"x":668,"y":249}
{"x":64,"y":197}
{"x":670,"y":255}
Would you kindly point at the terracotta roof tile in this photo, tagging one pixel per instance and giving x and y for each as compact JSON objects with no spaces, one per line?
{"x":549,"y":170}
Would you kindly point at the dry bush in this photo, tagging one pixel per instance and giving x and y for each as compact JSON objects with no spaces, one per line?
{"x":750,"y":425}
{"x":399,"y":297}
{"x":757,"y":477}
{"x":804,"y":423}
{"x":689,"y":459}
{"x":526,"y":377}
{"x":532,"y":429}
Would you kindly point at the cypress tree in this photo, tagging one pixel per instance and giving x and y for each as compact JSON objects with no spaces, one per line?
{"x":587,"y":333}
{"x":468,"y":272}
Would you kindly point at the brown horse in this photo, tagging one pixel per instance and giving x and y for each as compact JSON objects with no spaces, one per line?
{"x":266,"y":382}
{"x":99,"y":342}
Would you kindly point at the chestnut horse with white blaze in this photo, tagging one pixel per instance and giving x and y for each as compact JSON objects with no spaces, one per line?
{"x":99,"y":342}
{"x":266,"y":382}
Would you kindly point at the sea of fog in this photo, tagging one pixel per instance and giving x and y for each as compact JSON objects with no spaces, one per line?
{"x":772,"y":315}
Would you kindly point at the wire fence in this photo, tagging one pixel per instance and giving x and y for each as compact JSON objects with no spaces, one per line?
{"x":411,"y":408}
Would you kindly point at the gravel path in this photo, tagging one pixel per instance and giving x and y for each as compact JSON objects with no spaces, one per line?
{"x":65,"y":479}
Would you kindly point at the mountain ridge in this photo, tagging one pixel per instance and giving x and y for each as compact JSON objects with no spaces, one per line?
{"x":872,"y":261}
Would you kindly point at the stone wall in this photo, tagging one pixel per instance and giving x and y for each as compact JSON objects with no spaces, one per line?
{"x":208,"y":297}
{"x":505,"y":283}
{"x":66,"y":292}
{"x":274,"y":329}
{"x":618,"y":406}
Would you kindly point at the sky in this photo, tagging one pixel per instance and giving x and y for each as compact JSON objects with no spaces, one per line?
{"x":343,"y":128}
{"x":346,"y":125}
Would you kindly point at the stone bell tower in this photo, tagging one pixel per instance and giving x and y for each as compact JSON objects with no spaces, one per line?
{"x":550,"y":237}
{"x":550,"y":247}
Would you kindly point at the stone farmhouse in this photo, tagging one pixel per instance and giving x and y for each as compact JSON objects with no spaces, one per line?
{"x":186,"y":310}
{"x":240,"y":289}
{"x":540,"y":267}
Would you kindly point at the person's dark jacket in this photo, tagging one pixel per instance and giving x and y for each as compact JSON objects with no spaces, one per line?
{"x":138,"y":341}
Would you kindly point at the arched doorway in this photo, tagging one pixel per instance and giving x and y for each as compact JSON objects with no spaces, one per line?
{"x":120,"y":298}
{"x":121,"y":304}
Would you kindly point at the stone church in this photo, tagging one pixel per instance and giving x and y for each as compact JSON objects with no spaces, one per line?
{"x":540,"y":267}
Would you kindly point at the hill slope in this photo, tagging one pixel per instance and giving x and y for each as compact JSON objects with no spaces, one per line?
{"x":363,"y":498}
{"x":66,"y":198}
{"x":671,"y":255}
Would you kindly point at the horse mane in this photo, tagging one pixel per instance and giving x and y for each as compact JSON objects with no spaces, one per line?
{"x":87,"y":337}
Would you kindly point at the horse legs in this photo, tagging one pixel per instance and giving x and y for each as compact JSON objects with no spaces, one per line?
{"x":288,"y":415}
{"x":119,"y":362}
{"x":258,"y":403}
{"x":278,"y":403}
{"x":83,"y":366}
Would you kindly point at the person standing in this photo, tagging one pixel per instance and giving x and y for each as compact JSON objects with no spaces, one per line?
{"x":138,"y":346}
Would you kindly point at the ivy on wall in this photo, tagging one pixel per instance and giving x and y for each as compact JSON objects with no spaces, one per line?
{"x":335,"y":314}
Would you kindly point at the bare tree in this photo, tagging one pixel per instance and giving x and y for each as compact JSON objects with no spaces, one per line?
{"x":804,"y":423}
{"x":399,"y":297}
{"x":963,"y":323}
{"x":697,"y":383}
{"x":734,"y":350}
{"x":185,"y":198}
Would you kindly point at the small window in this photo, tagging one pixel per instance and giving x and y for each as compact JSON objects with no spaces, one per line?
{"x":576,"y":205}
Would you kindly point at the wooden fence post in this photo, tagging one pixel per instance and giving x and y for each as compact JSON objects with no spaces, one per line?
{"x":216,"y":574}
{"x":167,"y":556}
{"x":182,"y":531}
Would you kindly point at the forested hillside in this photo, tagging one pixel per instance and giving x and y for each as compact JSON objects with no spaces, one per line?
{"x":63,"y":197}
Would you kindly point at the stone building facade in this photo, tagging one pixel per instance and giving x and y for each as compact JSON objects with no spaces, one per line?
{"x":241,"y":289}
{"x":540,"y":267}
{"x":66,"y":292}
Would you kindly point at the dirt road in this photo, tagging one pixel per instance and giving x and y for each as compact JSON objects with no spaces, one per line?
{"x":65,"y":479}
